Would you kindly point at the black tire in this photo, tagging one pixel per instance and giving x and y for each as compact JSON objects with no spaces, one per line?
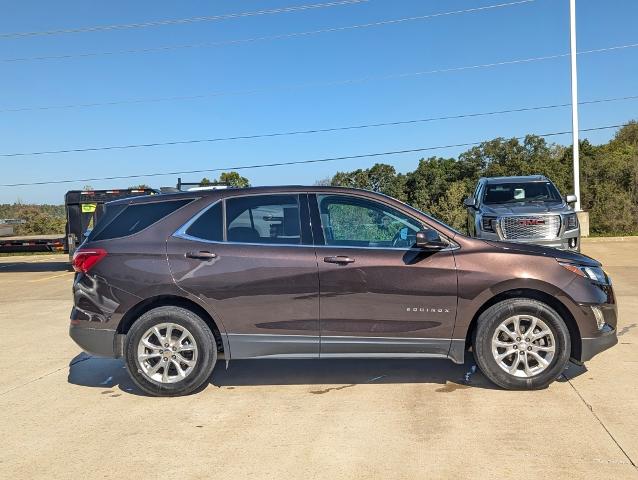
{"x":206,"y":351}
{"x":489,"y":321}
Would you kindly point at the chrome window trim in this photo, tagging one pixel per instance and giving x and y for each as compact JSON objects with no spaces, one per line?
{"x":181,"y":233}
{"x":453,"y":246}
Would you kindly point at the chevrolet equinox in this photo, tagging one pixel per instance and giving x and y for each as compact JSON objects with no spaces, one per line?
{"x":174,"y":282}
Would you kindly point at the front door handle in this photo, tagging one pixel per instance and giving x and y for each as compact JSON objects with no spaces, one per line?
{"x":339,"y":259}
{"x":202,"y":255}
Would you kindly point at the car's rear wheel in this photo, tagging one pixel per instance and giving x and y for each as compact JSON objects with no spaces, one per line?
{"x":521,"y":344}
{"x":170,"y":351}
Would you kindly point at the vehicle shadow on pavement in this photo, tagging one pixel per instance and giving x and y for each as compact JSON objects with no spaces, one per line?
{"x":108,"y":374}
{"x":350,"y":372}
{"x":103,"y":373}
{"x":34,"y":267}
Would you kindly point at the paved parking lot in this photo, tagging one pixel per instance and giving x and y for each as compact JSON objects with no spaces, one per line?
{"x":68,"y":415}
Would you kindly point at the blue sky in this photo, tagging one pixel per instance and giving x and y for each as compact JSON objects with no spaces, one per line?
{"x":535,"y":29}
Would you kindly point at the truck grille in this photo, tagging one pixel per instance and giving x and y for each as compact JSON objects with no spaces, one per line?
{"x":530,"y":227}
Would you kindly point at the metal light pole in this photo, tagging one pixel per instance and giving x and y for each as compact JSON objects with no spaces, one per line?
{"x":576,"y":153}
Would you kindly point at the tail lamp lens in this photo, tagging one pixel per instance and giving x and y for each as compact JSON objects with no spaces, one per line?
{"x":84,"y":260}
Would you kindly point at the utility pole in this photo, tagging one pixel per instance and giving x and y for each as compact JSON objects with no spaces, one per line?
{"x":576,"y":153}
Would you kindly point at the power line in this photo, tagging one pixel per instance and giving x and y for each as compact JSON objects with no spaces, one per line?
{"x":298,"y":162}
{"x":311,"y":131}
{"x":315,"y":84}
{"x":167,"y":48}
{"x":177,"y":21}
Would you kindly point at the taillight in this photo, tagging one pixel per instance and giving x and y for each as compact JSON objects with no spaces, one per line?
{"x":85,"y":259}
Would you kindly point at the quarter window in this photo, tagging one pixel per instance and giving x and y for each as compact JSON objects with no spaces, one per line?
{"x":268,"y":219}
{"x":353,"y":221}
{"x":209,"y":225}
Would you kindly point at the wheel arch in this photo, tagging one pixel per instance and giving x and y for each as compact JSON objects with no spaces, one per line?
{"x":532,"y":294}
{"x":135,"y":312}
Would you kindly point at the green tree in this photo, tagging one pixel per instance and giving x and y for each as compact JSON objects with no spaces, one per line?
{"x":380,"y":178}
{"x":609,"y":177}
{"x":40,"y":219}
{"x":234,"y":179}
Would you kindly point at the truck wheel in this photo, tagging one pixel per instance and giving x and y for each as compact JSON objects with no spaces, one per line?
{"x":521,"y":344}
{"x":170,"y":351}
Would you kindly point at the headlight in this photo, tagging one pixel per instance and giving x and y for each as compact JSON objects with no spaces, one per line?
{"x":487,"y":224}
{"x":571,"y":221}
{"x":596,"y":274}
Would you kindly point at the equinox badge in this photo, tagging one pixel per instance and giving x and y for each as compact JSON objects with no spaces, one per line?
{"x":427,"y":309}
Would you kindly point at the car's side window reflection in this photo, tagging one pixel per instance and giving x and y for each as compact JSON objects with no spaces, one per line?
{"x":268,"y":219}
{"x":353,"y":221}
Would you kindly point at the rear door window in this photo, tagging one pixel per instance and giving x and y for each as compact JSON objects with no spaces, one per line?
{"x":135,"y":218}
{"x":267,"y":219}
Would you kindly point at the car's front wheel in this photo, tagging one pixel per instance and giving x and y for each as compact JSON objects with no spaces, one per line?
{"x":521,"y":344}
{"x":170,"y":351}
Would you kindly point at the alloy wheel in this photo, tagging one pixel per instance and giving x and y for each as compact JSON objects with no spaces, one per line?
{"x":167,"y":353}
{"x":523,"y":345}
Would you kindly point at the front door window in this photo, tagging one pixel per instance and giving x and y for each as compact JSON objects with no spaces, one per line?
{"x":357,"y":222}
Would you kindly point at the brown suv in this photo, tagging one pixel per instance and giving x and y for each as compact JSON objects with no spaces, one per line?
{"x":174,"y":282}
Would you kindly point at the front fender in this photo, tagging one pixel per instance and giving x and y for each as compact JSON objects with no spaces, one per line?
{"x":472,"y":300}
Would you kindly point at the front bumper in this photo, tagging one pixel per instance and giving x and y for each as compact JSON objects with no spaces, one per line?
{"x":593,"y":346}
{"x":98,"y":342}
{"x":568,"y":241}
{"x":597,"y":323}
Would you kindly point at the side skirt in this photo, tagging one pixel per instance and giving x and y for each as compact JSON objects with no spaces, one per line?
{"x":272,"y":346}
{"x":244,"y":346}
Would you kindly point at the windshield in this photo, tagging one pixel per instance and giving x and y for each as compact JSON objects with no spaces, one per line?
{"x":434,"y":220}
{"x":521,"y":192}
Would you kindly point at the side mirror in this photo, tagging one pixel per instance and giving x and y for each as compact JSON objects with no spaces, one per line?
{"x":469,"y":202}
{"x":571,"y":198}
{"x":429,"y":239}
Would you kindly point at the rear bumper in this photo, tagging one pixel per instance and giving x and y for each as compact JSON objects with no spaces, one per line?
{"x":98,"y":342}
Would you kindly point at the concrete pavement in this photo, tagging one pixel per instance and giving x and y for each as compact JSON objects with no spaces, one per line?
{"x":68,"y":415}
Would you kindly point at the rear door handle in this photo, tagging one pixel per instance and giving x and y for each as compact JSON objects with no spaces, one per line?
{"x":339,"y":259}
{"x":201,"y":255}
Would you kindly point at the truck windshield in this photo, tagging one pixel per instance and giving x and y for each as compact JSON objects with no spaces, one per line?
{"x":521,"y":192}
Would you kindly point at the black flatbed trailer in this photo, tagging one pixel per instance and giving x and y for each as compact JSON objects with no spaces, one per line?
{"x":83,"y":209}
{"x":32,"y":243}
